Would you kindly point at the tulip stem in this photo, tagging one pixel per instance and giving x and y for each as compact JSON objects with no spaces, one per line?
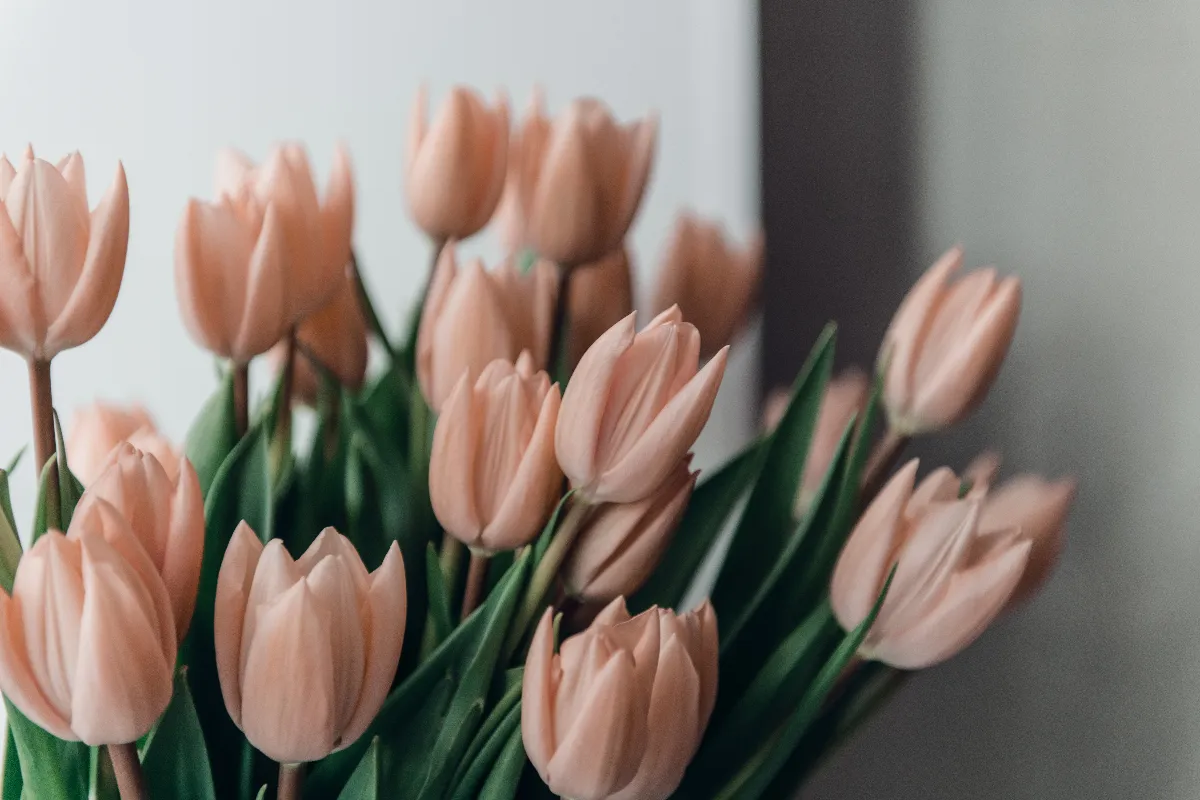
{"x":883,"y":458}
{"x":556,"y":355}
{"x":281,"y":446}
{"x":476,"y":578}
{"x":241,"y":398}
{"x":128,"y":771}
{"x":291,"y":782}
{"x":42,"y":403}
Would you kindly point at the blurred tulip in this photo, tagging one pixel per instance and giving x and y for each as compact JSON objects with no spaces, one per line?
{"x":306,"y":649}
{"x":456,"y":166}
{"x":622,"y":543}
{"x":60,"y":266}
{"x":600,"y":296}
{"x":950,"y":582}
{"x":165,"y":514}
{"x":634,"y":407}
{"x":98,"y":428}
{"x":337,"y":336}
{"x":1039,"y":508}
{"x":493,"y":480}
{"x":473,"y":317}
{"x":713,"y":283}
{"x":525,"y":143}
{"x":580,"y":182}
{"x":87,"y":641}
{"x":946,"y":344}
{"x":314,"y":237}
{"x":845,"y":398}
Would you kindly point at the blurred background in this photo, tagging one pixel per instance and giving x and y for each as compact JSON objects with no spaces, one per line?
{"x":1056,"y":139}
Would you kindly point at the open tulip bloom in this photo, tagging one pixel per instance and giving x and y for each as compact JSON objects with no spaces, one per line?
{"x":477,"y":578}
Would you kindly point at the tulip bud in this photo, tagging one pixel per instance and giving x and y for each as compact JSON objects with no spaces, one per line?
{"x":165,"y":514}
{"x":473,"y":317}
{"x":845,"y":398}
{"x":336,"y":336}
{"x":634,"y":407}
{"x":621,"y":544}
{"x":493,"y":480}
{"x":1039,"y":508}
{"x":581,"y":181}
{"x":306,"y":649}
{"x":712,"y":282}
{"x":98,"y":428}
{"x":524,"y":145}
{"x":61,"y":266}
{"x":601,"y":295}
{"x":87,"y":641}
{"x":946,"y":344}
{"x":456,"y":166}
{"x":314,"y":238}
{"x":950,"y":582}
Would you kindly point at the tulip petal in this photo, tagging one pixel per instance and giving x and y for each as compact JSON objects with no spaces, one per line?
{"x":275,"y":574}
{"x":565,"y":211}
{"x":902,"y":342}
{"x":233,"y":171}
{"x":495,"y":166}
{"x":1040,"y":509}
{"x":471,"y":332}
{"x":22,"y":320}
{"x":233,"y":590}
{"x":212,"y":249}
{"x":7,"y":174}
{"x":185,"y":547}
{"x":16,"y":677}
{"x":450,"y":465}
{"x":337,"y":213}
{"x":444,"y":272}
{"x":71,"y":167}
{"x":538,"y":687}
{"x":333,"y":589}
{"x":635,"y":174}
{"x":332,"y":544}
{"x":264,"y":316}
{"x":49,"y":589}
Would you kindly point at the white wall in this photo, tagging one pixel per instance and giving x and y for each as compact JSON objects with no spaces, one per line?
{"x":163,"y":85}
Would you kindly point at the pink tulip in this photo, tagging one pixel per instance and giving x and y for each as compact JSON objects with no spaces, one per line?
{"x":634,"y":407}
{"x":712,"y":281}
{"x":525,"y":143}
{"x":306,"y":649}
{"x":87,"y":640}
{"x":622,"y":543}
{"x":336,"y":336}
{"x":946,"y":344}
{"x":456,"y":166}
{"x":493,"y":480}
{"x":844,"y":400}
{"x":97,"y":429}
{"x":60,"y":266}
{"x":951,"y":582}
{"x":601,"y":295}
{"x":1039,"y":509}
{"x":165,"y":514}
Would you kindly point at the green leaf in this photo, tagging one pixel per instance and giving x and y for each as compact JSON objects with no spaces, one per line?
{"x":12,"y":783}
{"x":69,"y":487}
{"x":506,"y":775}
{"x":709,"y":508}
{"x":16,"y":459}
{"x":262,"y":793}
{"x":440,"y":621}
{"x":213,"y":435}
{"x":59,"y":770}
{"x":175,"y":761}
{"x":103,"y":778}
{"x":364,"y":783}
{"x":10,"y":542}
{"x":480,"y":759}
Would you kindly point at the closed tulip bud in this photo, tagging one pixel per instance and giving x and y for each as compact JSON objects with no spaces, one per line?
{"x":1039,"y":509}
{"x":306,"y":649}
{"x":456,"y":165}
{"x":622,"y":543}
{"x":951,"y":581}
{"x":601,"y":295}
{"x":314,"y":237}
{"x":525,"y":143}
{"x":97,"y":429}
{"x":713,"y":282}
{"x":493,"y":480}
{"x":87,"y":641}
{"x":634,"y":407}
{"x":473,"y":317}
{"x":336,"y":336}
{"x":165,"y":514}
{"x":946,"y":344}
{"x":580,"y":184}
{"x":60,"y":265}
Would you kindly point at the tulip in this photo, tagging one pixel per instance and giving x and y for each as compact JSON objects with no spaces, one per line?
{"x":456,"y":166}
{"x":493,"y":480}
{"x":165,"y":514}
{"x":336,"y":336}
{"x":634,"y":407}
{"x":529,"y":137}
{"x":950,"y":583}
{"x":600,"y":296}
{"x":306,"y":649}
{"x":581,"y":181}
{"x":60,"y":266}
{"x":946,"y":344}
{"x":713,"y":282}
{"x":622,"y":543}
{"x":97,"y":429}
{"x":87,"y":639}
{"x":1039,"y":508}
{"x":472,"y":317}
{"x":314,"y":237}
{"x":844,"y":400}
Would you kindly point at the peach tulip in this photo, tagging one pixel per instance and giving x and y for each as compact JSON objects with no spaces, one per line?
{"x":493,"y":480}
{"x":456,"y":166}
{"x":946,"y":344}
{"x":314,"y":236}
{"x":87,"y":639}
{"x":60,"y":266}
{"x":580,"y":182}
{"x":165,"y":513}
{"x":845,"y":398}
{"x":306,"y":649}
{"x":600,"y":296}
{"x":951,"y":580}
{"x":1039,"y":508}
{"x":634,"y":407}
{"x":712,"y":281}
{"x":336,"y":336}
{"x":98,"y":428}
{"x":622,"y":543}
{"x":472,"y":317}
{"x":528,"y":137}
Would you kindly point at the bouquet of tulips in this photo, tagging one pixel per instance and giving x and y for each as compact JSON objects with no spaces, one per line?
{"x":484,"y":573}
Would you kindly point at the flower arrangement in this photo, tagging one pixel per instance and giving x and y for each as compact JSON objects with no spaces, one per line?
{"x":481,"y":576}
